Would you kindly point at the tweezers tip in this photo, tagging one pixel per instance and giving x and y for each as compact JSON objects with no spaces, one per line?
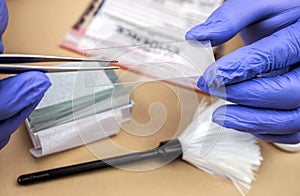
{"x":111,"y":67}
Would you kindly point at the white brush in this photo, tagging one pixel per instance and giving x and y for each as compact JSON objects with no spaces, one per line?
{"x":216,"y":150}
{"x":220,"y":151}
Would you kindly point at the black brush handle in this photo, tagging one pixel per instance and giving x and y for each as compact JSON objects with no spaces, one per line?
{"x":166,"y":150}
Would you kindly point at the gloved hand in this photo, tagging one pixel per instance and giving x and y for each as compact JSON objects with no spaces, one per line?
{"x":19,"y":95}
{"x":267,"y":107}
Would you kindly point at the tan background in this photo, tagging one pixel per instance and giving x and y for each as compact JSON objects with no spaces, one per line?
{"x":37,"y":26}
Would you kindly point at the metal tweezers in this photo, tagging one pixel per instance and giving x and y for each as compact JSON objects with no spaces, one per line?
{"x":7,"y":59}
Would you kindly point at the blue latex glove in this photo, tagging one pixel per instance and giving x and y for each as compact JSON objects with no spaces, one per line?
{"x":3,"y":21}
{"x":267,"y":107}
{"x":19,"y":95}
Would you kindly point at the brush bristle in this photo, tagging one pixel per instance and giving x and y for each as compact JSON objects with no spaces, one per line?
{"x":220,"y":151}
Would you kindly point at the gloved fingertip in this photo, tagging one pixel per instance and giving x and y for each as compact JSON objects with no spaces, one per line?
{"x":42,"y":81}
{"x":4,"y":142}
{"x":219,"y":115}
{"x":213,"y":76}
{"x":189,"y":35}
{"x":218,"y":119}
{"x":214,"y":91}
{"x":198,"y":32}
{"x":214,"y":32}
{"x":202,"y":85}
{"x":37,"y":83}
{"x":21,"y":90}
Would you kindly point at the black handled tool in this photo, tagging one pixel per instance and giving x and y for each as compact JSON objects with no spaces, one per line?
{"x":168,"y":150}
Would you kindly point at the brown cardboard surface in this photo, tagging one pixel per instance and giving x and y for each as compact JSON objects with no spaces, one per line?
{"x":37,"y":26}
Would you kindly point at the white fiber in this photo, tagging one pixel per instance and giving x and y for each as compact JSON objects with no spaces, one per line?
{"x":220,"y":151}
